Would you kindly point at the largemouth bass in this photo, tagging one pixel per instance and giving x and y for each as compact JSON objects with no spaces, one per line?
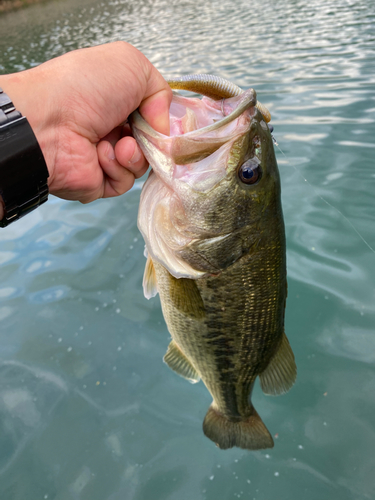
{"x":211,"y":217}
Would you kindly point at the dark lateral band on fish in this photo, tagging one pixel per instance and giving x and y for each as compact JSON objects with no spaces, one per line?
{"x":214,"y":87}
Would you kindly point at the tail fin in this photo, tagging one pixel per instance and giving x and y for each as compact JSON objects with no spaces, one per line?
{"x":250,"y":434}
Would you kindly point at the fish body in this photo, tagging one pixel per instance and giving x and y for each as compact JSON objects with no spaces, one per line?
{"x":211,"y":217}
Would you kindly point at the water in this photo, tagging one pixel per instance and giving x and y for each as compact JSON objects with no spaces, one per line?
{"x":87,"y":408}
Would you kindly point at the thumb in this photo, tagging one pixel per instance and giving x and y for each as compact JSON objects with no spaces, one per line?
{"x":155,"y":108}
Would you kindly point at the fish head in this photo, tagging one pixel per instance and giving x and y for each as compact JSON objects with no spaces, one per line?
{"x":214,"y":183}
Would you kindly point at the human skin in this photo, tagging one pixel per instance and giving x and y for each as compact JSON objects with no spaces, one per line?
{"x":76,"y":105}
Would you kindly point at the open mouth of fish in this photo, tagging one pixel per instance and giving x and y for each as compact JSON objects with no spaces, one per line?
{"x":199,"y":127}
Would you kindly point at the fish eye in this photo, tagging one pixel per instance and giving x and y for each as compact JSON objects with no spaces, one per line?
{"x":250,"y":172}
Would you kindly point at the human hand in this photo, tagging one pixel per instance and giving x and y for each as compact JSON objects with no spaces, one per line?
{"x":77,"y":104}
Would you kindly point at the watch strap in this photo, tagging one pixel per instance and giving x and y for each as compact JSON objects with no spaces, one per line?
{"x":23,"y":170}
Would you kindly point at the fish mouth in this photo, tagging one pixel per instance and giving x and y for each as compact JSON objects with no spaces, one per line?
{"x":231,"y":108}
{"x":190,"y":146}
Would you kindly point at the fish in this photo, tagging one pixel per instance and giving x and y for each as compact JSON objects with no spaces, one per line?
{"x":211,"y":216}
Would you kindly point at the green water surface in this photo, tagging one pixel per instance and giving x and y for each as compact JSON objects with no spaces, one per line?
{"x":88,"y":410}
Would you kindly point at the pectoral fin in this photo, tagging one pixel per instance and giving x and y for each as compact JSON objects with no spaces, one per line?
{"x":185,"y":297}
{"x":179,"y":363}
{"x":281,"y":372}
{"x":149,"y":280}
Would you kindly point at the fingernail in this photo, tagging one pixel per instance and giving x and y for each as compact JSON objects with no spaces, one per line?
{"x":137,"y":155}
{"x":110,"y":152}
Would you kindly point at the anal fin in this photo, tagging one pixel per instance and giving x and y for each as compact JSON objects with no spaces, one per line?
{"x":178,"y":362}
{"x":281,"y":372}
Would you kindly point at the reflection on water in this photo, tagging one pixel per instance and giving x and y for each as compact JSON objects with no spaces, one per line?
{"x":87,"y":408}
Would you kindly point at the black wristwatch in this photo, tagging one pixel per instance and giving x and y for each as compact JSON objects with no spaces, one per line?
{"x":23,"y":170}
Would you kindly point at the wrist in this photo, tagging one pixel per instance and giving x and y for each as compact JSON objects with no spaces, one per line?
{"x":23,"y":171}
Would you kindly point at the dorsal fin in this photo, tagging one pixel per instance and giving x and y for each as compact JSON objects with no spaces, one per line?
{"x":281,"y":372}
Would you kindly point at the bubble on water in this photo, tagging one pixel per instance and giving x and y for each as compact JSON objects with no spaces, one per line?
{"x":300,"y":446}
{"x":105,"y":304}
{"x":118,"y":310}
{"x":59,"y":340}
{"x":248,"y":481}
{"x":96,"y":308}
{"x":81,"y":327}
{"x":276,"y":474}
{"x":267,"y":456}
{"x":218,"y":466}
{"x":70,"y":349}
{"x":119,"y":348}
{"x":236,"y":460}
{"x":212,"y":477}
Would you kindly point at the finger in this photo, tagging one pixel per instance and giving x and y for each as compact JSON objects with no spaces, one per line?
{"x":117,"y":180}
{"x":130,"y":156}
{"x":155,"y":110}
{"x":114,"y":135}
